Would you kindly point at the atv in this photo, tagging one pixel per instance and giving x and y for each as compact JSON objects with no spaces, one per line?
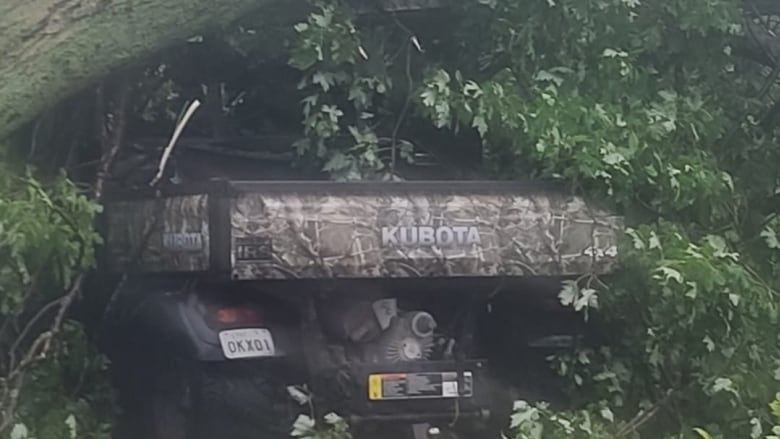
{"x":412,"y":309}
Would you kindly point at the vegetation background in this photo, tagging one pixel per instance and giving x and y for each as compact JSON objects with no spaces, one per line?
{"x":666,"y":112}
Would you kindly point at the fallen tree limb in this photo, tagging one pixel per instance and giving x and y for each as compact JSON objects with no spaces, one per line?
{"x":51,"y":49}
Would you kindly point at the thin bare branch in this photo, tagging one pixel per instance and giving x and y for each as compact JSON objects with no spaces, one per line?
{"x":172,"y":143}
{"x":112,"y":140}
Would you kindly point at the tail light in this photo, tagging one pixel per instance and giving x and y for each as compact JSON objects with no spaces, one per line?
{"x":236,"y":315}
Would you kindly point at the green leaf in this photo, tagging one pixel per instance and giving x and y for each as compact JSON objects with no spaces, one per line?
{"x":19,"y":431}
{"x":337,"y":162}
{"x":613,"y":53}
{"x":323,"y":79}
{"x":70,"y":422}
{"x":299,"y":395}
{"x":472,"y":89}
{"x":546,"y":76}
{"x":770,"y":237}
{"x":728,"y":180}
{"x":667,"y":273}
{"x":653,"y":242}
{"x":709,"y":343}
{"x":636,"y":240}
{"x":587,"y":299}
{"x":480,"y":124}
{"x":428,"y":97}
{"x":568,"y":293}
{"x":723,"y":384}
{"x":607,"y":414}
{"x":302,"y":426}
{"x":333,"y":112}
{"x":755,"y":428}
{"x":333,"y":418}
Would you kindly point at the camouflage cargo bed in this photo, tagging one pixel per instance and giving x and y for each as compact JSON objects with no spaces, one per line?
{"x":261,"y":230}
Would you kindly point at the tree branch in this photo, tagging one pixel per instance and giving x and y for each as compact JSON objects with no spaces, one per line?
{"x":112,"y":140}
{"x":53,"y":48}
{"x":13,"y":382}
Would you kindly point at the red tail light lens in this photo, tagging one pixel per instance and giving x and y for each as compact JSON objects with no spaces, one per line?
{"x":238,"y":315}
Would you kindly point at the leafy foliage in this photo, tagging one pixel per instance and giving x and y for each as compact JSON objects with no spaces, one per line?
{"x":332,"y":427}
{"x":539,"y":421}
{"x":341,"y":90}
{"x":348,"y":82}
{"x":67,"y":395}
{"x":46,"y":238}
{"x":647,"y":107}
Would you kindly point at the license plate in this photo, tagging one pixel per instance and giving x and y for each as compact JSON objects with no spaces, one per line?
{"x":247,"y":343}
{"x":425,"y":385}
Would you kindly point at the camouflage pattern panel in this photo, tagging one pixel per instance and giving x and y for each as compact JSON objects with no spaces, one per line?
{"x":421,"y":233}
{"x":173,"y":232}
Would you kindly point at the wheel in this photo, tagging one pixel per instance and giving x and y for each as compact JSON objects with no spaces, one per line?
{"x":159,"y":418}
{"x":153,"y":406}
{"x":243,"y":400}
{"x":168,"y":419}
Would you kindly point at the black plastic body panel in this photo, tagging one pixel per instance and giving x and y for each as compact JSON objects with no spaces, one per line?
{"x":176,"y":322}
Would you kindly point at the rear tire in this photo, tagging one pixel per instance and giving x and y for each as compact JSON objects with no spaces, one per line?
{"x":168,"y":418}
{"x":153,"y":406}
{"x":242,"y":400}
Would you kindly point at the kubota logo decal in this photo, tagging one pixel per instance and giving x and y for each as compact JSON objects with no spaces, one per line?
{"x":181,"y":242}
{"x":427,"y":236}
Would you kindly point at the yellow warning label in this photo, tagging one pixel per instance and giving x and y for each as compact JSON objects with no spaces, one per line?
{"x":374,"y":387}
{"x":402,"y":386}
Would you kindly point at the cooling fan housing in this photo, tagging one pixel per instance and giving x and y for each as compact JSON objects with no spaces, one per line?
{"x":410,"y":337}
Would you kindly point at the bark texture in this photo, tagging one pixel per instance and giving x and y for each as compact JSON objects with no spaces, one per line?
{"x":52,"y":48}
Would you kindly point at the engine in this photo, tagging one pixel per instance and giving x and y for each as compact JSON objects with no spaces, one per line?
{"x":409,"y":337}
{"x":379,"y":332}
{"x":389,"y":358}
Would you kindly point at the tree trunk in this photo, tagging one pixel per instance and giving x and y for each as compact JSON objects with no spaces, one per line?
{"x":50,"y":49}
